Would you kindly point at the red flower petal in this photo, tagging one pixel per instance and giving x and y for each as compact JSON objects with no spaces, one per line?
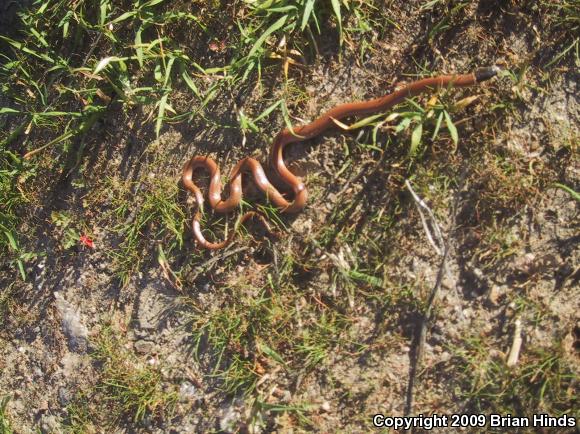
{"x":87,"y":241}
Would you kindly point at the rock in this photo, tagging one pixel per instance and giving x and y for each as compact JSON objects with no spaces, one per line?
{"x":75,"y":331}
{"x":143,"y":347}
{"x":230,"y":421}
{"x":187,"y":391}
{"x":49,"y":424}
{"x":64,"y":396}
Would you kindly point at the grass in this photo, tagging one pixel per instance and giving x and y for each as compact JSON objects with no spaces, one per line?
{"x":130,"y":385}
{"x":127,"y":388}
{"x":155,"y":214}
{"x":5,"y":426}
{"x":544,"y":382}
{"x":12,"y":198}
{"x":341,"y":293}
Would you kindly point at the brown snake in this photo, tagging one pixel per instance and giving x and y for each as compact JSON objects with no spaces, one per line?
{"x":299,"y":134}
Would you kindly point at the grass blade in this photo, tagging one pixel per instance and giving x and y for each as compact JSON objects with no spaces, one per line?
{"x":161,"y":113}
{"x":416,"y":139}
{"x":276,"y":26}
{"x":452,"y":129}
{"x":307,"y":12}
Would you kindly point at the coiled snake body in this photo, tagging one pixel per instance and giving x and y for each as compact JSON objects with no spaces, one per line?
{"x":299,"y":134}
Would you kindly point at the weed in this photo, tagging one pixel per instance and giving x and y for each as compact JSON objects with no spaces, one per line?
{"x":12,"y":197}
{"x":155,"y":212}
{"x":4,"y":422}
{"x":130,"y":386}
{"x":542,"y":383}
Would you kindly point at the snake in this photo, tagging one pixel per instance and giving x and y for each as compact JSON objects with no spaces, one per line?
{"x":297,"y":200}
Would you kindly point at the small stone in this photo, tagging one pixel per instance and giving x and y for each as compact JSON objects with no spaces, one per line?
{"x":325,"y":406}
{"x":64,"y":396}
{"x":49,"y":424}
{"x":187,"y":391}
{"x":143,"y":347}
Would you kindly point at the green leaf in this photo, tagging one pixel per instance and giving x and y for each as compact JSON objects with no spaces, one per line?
{"x":21,"y":268}
{"x":64,"y":23}
{"x":103,"y":63}
{"x":276,"y":26}
{"x":139,"y":46}
{"x":168,"y":68}
{"x":336,"y":9}
{"x":8,"y":110}
{"x":307,"y":12}
{"x":271,"y":353}
{"x":124,"y":16}
{"x":268,"y":111}
{"x":403,"y":125}
{"x":152,"y":3}
{"x":437,"y":126}
{"x":157,"y":73}
{"x":416,"y":139}
{"x":188,"y":80}
{"x":11,"y":240}
{"x":39,"y":37}
{"x":161,"y":113}
{"x":359,"y":124}
{"x":452,"y":129}
{"x":287,"y":120}
{"x":103,"y":11}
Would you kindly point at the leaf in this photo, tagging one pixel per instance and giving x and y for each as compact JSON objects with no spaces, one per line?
{"x":276,"y":26}
{"x":268,"y":110}
{"x":139,"y":46}
{"x":152,"y":3}
{"x":336,"y":9}
{"x":271,"y":353}
{"x":416,"y":139}
{"x":451,"y":128}
{"x":362,"y":123}
{"x":11,"y":241}
{"x":8,"y":110}
{"x":157,"y":73}
{"x":188,"y":80}
{"x":307,"y":12}
{"x":103,"y":11}
{"x":168,"y":70}
{"x":403,"y":125}
{"x":21,"y":268}
{"x":124,"y":16}
{"x":287,"y":120}
{"x":64,"y":23}
{"x":160,"y":113}
{"x":103,"y":63}
{"x":437,"y":126}
{"x":462,"y":103}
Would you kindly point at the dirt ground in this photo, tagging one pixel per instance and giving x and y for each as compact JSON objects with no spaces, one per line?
{"x":511,"y":235}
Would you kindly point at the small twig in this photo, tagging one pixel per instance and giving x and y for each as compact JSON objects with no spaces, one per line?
{"x":514,"y":353}
{"x":421,"y":336}
{"x":421,"y":204}
{"x":417,"y":356}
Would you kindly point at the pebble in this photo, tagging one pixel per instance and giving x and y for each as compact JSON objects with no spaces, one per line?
{"x":187,"y":391}
{"x":64,"y":396}
{"x":143,"y":347}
